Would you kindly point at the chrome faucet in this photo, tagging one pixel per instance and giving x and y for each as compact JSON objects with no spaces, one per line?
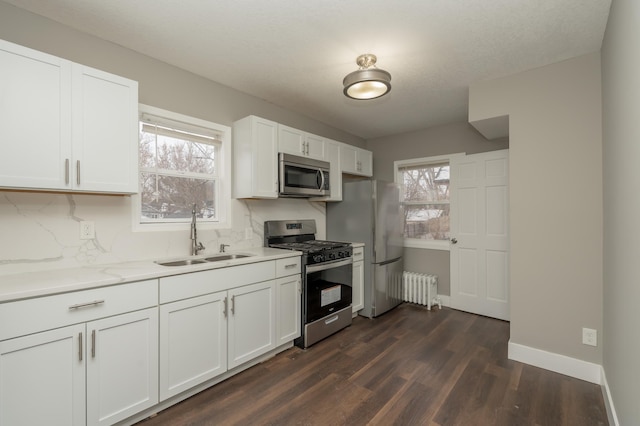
{"x":195,"y":245}
{"x":222,"y":246}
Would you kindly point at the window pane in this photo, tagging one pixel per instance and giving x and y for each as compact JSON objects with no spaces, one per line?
{"x":171,"y":152}
{"x":426,"y":183}
{"x":170,"y":198}
{"x":427,"y":222}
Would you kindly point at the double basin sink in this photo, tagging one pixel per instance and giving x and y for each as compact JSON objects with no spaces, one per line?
{"x":215,"y":258}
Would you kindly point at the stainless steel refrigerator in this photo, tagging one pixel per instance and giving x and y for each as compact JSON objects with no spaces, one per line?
{"x":371,"y":213}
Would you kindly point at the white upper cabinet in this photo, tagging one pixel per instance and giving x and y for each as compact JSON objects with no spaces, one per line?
{"x":356,"y":161}
{"x":297,"y":142}
{"x":255,"y":158}
{"x":332,"y":151}
{"x":105,"y":131}
{"x":64,"y":126}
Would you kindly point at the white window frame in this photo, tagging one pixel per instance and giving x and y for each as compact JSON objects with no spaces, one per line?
{"x":426,"y":161}
{"x":223,"y":199}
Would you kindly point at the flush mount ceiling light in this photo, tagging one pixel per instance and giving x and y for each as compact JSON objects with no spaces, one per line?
{"x":368,"y":82}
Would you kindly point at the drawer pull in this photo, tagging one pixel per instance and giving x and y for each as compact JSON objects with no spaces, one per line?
{"x":86,"y":305}
{"x":93,"y":344}
{"x":293,"y":265}
{"x":225,"y":306}
{"x":79,"y":346}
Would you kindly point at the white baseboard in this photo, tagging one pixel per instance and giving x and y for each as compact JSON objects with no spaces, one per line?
{"x":446,"y":300}
{"x":608,"y":401}
{"x":562,"y":364}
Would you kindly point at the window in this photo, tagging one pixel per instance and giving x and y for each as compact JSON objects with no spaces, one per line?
{"x":182,"y":164}
{"x":425,"y":195}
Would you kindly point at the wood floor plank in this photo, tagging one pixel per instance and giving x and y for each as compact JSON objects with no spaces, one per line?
{"x":411,"y":366}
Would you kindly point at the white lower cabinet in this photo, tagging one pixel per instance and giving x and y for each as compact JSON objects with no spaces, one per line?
{"x":42,"y":379}
{"x":193,"y":342}
{"x":288,"y":308}
{"x":122,"y":366}
{"x":101,"y":369}
{"x":357,"y":302}
{"x":113,"y":361}
{"x":251,"y":322}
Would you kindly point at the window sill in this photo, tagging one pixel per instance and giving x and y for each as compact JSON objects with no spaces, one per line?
{"x":427,"y":244}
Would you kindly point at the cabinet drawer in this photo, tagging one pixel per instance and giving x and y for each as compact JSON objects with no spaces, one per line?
{"x":49,"y":312}
{"x":358,"y":254}
{"x":288,"y":266}
{"x":194,"y":284}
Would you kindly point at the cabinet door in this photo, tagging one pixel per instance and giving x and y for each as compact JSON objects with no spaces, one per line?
{"x":364,"y":162}
{"x":255,"y":158}
{"x":289,"y":292}
{"x":251,"y":322}
{"x":315,"y":146}
{"x":35,"y":118}
{"x":42,"y":378}
{"x":358,"y":287}
{"x":193,"y":342}
{"x":122,"y":366}
{"x":105,"y":131}
{"x":348,"y":159}
{"x":291,"y":140}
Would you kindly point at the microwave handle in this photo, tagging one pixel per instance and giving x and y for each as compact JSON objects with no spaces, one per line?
{"x":322,"y":181}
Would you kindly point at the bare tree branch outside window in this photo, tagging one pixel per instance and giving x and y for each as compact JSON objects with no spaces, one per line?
{"x":177,"y":170}
{"x":426,"y":201}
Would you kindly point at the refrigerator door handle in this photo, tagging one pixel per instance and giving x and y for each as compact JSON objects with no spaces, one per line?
{"x":386,"y":262}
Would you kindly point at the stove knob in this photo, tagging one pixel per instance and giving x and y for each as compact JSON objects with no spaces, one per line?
{"x":317,"y":258}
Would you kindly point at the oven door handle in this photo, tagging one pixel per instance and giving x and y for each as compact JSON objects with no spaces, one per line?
{"x":329,"y":265}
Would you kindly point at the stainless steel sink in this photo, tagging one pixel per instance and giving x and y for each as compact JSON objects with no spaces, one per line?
{"x":220,"y":257}
{"x":215,"y":258}
{"x":183,"y":262}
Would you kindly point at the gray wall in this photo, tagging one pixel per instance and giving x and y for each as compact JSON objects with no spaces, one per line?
{"x":555,"y":201}
{"x":160,"y":85}
{"x":621,"y":149}
{"x":438,"y":140}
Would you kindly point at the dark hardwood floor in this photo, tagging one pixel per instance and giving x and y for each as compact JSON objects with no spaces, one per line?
{"x":410,"y":366}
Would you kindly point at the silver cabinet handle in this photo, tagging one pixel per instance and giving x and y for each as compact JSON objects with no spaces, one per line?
{"x":80,"y":346}
{"x":225,"y":307}
{"x":454,"y":241}
{"x":233,"y":305}
{"x":66,"y":171}
{"x":93,"y":344}
{"x":86,"y":305}
{"x":292,"y":265}
{"x":299,"y":286}
{"x":78,"y":172}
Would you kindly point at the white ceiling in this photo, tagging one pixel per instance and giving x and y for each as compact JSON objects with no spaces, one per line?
{"x":295,"y":53}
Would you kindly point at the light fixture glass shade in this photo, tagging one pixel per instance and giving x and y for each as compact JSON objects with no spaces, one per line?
{"x":367,"y":82}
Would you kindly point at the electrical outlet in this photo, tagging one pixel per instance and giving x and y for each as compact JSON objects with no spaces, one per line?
{"x":589,"y":337}
{"x":248,"y":233}
{"x":87,"y":230}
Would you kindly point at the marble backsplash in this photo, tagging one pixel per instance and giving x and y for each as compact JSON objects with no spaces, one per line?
{"x":40,"y":231}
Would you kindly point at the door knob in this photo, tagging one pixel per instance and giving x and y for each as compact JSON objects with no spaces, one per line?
{"x":454,"y":241}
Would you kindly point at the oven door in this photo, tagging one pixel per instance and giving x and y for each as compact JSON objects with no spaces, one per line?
{"x":328,"y":288}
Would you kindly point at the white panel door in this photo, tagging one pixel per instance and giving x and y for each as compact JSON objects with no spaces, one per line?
{"x":35,"y":118}
{"x":252,"y":330}
{"x":480,"y":234}
{"x":122,"y":366}
{"x":42,"y":378}
{"x":105,"y":130}
{"x":288,"y":309}
{"x":193,"y":342}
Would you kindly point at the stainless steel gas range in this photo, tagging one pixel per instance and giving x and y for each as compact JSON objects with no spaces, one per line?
{"x":327,"y":270}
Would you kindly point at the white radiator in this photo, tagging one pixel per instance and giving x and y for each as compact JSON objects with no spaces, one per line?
{"x":421,"y":289}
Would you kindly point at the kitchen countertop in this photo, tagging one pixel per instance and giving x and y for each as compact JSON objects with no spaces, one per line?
{"x":44,"y":283}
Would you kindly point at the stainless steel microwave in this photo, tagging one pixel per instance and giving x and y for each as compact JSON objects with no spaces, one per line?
{"x":302,"y":177}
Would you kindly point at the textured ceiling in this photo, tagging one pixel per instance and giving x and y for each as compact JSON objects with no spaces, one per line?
{"x":295,"y":53}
